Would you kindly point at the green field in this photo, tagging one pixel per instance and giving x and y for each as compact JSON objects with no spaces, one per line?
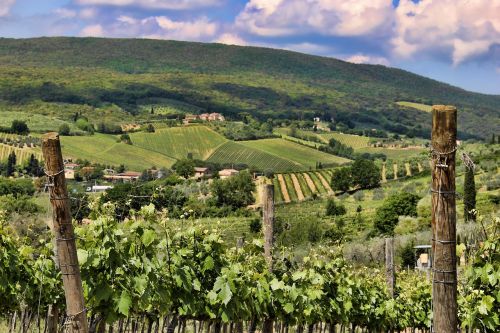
{"x":354,"y":141}
{"x":105,"y":149}
{"x":233,"y":152}
{"x":394,"y":153}
{"x":304,"y":156}
{"x":177,"y":142}
{"x":418,"y":106}
{"x":35,"y":122}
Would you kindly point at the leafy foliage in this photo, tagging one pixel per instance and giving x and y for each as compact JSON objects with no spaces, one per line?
{"x":387,"y":215}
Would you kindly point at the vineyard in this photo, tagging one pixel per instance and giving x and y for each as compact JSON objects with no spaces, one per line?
{"x":105,"y":149}
{"x":234,"y":152}
{"x":302,"y":155}
{"x":298,"y":186}
{"x":178,"y":142}
{"x":22,"y":146}
{"x":146,"y":274}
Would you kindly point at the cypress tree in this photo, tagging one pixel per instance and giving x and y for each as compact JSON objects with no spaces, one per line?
{"x":11,"y":164}
{"x":469,"y":194}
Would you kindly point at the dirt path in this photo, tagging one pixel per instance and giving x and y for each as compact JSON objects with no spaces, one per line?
{"x":395,"y":169}
{"x":310,"y":183}
{"x":284,"y":191}
{"x":420,"y":168}
{"x":326,"y":185}
{"x":298,"y":190}
{"x":408,"y":169}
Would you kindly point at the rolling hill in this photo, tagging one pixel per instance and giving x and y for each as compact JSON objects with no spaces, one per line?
{"x":117,"y":80}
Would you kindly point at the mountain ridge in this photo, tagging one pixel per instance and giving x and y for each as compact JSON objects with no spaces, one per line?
{"x":263,"y":81}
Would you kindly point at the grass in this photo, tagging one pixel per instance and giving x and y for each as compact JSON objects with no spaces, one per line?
{"x":317,"y":182}
{"x":233,"y":152}
{"x":289,"y":186}
{"x":393,"y":153}
{"x":418,"y":106}
{"x":354,"y":141}
{"x":36,"y":122}
{"x":105,"y":149}
{"x":178,"y":142}
{"x":278,"y":196}
{"x":303,"y":185}
{"x":304,"y":157}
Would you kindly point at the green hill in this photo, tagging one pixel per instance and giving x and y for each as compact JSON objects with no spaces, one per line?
{"x":114,"y":79}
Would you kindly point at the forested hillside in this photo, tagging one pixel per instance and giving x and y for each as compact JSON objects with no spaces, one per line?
{"x":116,"y":77}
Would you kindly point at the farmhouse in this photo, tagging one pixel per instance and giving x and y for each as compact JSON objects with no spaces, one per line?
{"x":226,"y":173}
{"x":127,"y":176}
{"x":214,"y":116}
{"x":201,"y":172}
{"x":69,"y":170}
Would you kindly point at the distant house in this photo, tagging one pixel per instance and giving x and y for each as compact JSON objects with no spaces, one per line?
{"x":216,"y":117}
{"x":200,"y":172}
{"x":226,"y":173}
{"x":316,"y":119}
{"x":69,"y":170}
{"x":204,"y":117}
{"x":127,"y":176}
{"x":191,"y":117}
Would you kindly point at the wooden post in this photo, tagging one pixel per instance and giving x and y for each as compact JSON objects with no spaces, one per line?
{"x":444,"y":284}
{"x":389,"y":265}
{"x":268,"y":222}
{"x":64,"y":234}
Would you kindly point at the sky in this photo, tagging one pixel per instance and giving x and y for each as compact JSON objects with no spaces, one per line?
{"x":454,"y":41}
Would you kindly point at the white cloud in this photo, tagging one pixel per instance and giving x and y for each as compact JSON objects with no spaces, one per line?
{"x":231,"y":39}
{"x":95,"y":30}
{"x":65,"y":13}
{"x":461,"y":29}
{"x":327,"y":17}
{"x":5,"y":6}
{"x":154,"y":4}
{"x":156,"y":27}
{"x":367,"y":59}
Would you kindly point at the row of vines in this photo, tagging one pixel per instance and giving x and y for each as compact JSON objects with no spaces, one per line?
{"x":298,"y":186}
{"x":142,"y":275}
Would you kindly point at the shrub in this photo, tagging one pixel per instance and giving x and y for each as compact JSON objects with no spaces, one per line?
{"x":387,"y":215}
{"x":334,"y":209}
{"x":255,"y":225}
{"x":64,"y":130}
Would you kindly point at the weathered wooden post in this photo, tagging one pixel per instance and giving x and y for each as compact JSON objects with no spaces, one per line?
{"x":268,"y":222}
{"x":444,"y":284}
{"x":64,"y":234}
{"x":389,"y":265}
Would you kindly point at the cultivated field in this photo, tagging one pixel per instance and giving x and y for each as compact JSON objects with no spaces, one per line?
{"x":22,"y":154}
{"x":304,"y":156}
{"x":178,"y":142}
{"x":418,"y":106}
{"x":354,"y":141}
{"x":233,"y":152}
{"x":102,"y":148}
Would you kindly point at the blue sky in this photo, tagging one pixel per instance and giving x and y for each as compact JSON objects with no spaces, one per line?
{"x":455,"y":41}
